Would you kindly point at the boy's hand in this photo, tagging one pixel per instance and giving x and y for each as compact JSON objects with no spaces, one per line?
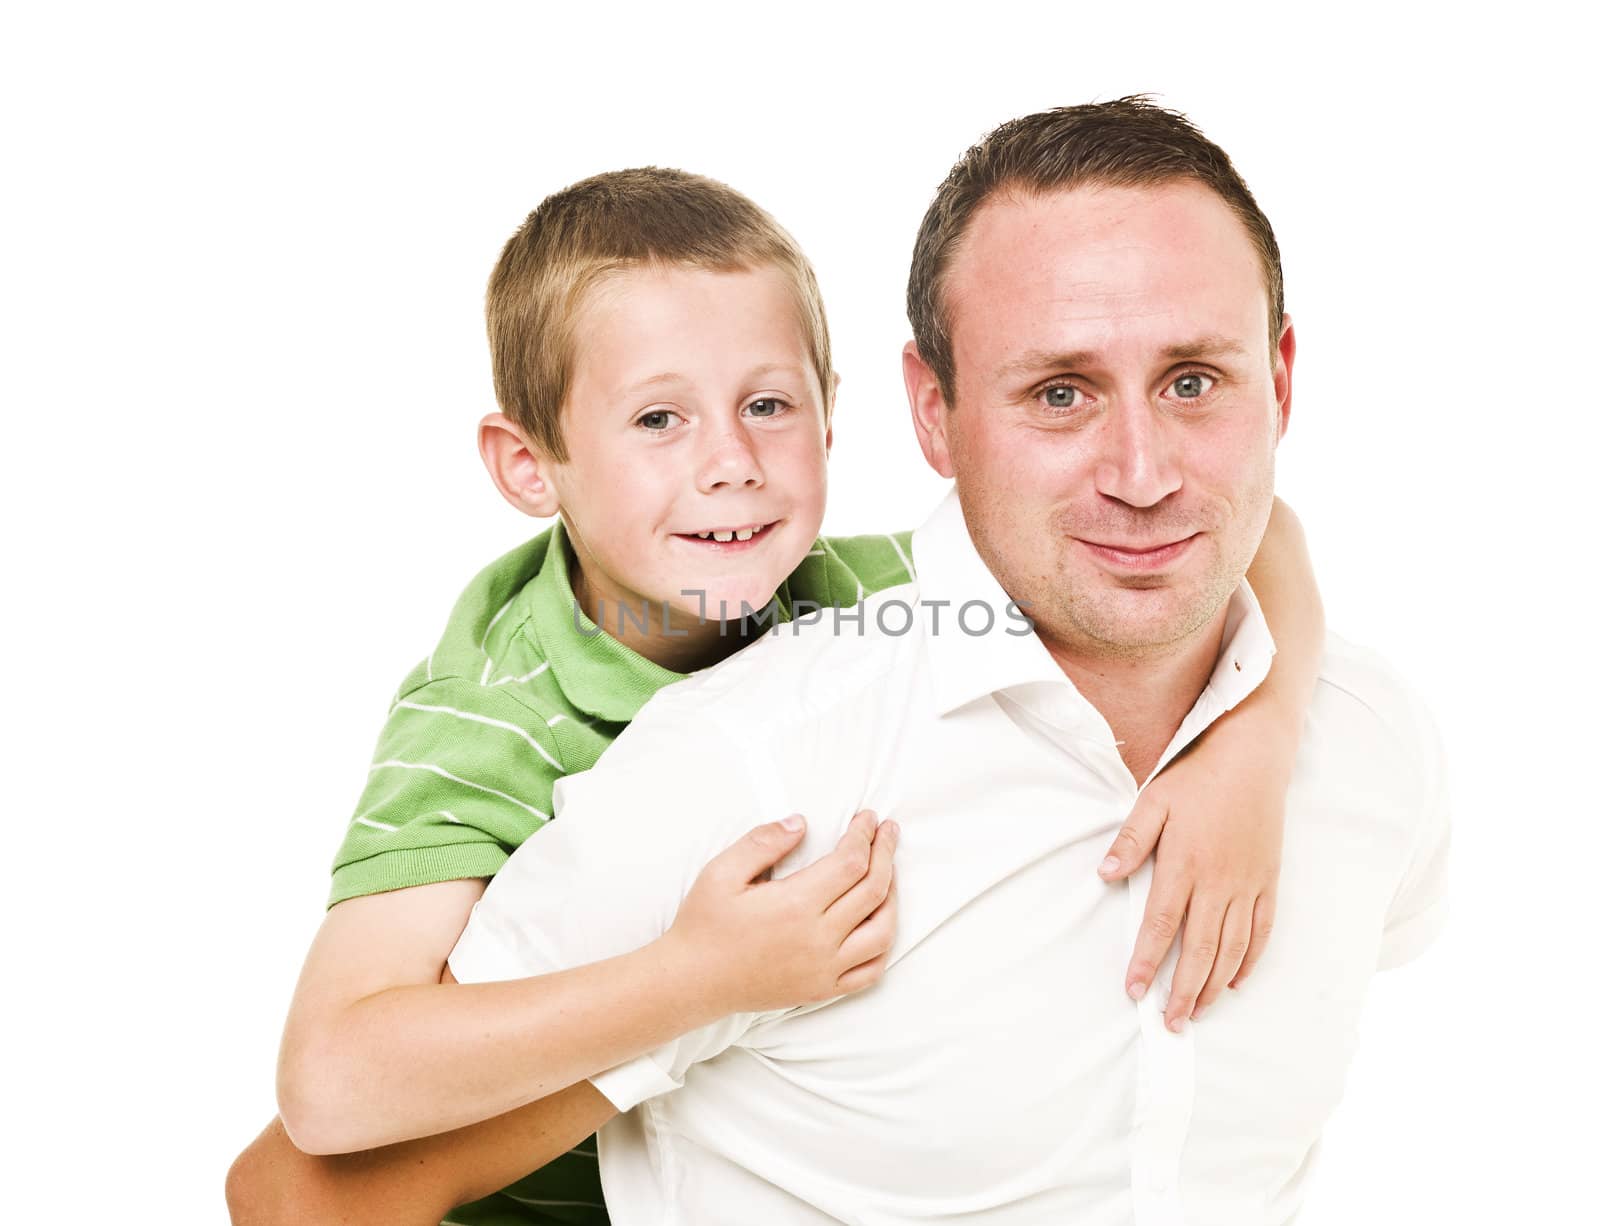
{"x":757,"y":945}
{"x":1221,"y":842}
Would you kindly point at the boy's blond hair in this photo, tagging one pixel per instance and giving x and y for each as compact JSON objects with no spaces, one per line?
{"x":612,"y":222}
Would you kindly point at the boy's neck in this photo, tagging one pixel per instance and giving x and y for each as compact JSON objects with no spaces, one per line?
{"x":677,"y":641}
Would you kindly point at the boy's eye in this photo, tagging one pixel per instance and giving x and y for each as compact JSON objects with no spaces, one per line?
{"x":1192,"y":386}
{"x":656,"y":419}
{"x":1061,"y":396}
{"x":767,"y":406}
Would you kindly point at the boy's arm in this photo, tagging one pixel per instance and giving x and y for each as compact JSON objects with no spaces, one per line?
{"x":377,"y":1050}
{"x":275,"y":1184}
{"x":1218,"y":810}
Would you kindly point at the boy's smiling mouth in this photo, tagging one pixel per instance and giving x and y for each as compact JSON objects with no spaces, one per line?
{"x":723,"y":540}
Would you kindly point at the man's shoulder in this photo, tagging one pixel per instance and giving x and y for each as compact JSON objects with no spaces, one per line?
{"x":1373,"y":713}
{"x":798,"y":672}
{"x":1351,"y":672}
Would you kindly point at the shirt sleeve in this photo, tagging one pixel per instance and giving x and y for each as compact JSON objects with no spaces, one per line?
{"x":854,"y":567}
{"x":1417,"y":913}
{"x":609,"y":875}
{"x":462,"y":775}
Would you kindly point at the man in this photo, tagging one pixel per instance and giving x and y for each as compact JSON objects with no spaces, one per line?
{"x":1103,"y":365}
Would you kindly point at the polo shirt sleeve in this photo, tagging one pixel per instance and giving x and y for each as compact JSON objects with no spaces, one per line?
{"x":462,"y":775}
{"x":1417,"y":913}
{"x":609,"y":875}
{"x":858,"y":566}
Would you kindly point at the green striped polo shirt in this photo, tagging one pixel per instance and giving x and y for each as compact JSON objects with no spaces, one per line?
{"x":522,"y":689}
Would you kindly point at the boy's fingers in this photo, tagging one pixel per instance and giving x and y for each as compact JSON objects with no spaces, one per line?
{"x":1230,"y":954}
{"x":845,"y":865}
{"x":1265,"y":914}
{"x":1137,"y":838}
{"x":863,"y":976}
{"x":1202,"y":938}
{"x":873,"y":935}
{"x":1163,"y":913}
{"x":866,"y":895}
{"x":755,"y":854}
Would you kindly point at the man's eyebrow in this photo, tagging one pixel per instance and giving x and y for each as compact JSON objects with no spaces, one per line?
{"x":1205,"y":347}
{"x":1082,"y":359}
{"x":1048,"y":359}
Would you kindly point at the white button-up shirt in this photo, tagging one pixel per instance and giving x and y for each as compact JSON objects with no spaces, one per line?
{"x":998,"y":1072}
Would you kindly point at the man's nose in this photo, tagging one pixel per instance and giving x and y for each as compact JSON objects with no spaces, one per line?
{"x":729,"y":460}
{"x":1138,"y":461}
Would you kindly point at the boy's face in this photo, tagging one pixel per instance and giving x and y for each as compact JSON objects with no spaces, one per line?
{"x":693,"y":409}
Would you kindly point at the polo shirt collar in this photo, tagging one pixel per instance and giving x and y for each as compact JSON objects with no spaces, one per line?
{"x":599,"y":675}
{"x":966,"y":667}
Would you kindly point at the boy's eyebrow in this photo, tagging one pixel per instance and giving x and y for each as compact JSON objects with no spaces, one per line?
{"x":667,"y":376}
{"x":671,"y":376}
{"x":771,"y":368}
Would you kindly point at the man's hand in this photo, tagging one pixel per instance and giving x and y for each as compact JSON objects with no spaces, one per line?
{"x":1220,"y":829}
{"x":758,"y":945}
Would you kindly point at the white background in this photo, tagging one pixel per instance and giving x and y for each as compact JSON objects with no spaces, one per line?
{"x":244,"y":257}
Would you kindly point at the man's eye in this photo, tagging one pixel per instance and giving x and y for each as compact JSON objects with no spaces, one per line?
{"x":1062,"y":396}
{"x":767,"y":406}
{"x":656,"y":419}
{"x":1192,"y":386}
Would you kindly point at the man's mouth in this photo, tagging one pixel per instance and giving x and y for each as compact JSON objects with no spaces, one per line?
{"x":1139,"y":556}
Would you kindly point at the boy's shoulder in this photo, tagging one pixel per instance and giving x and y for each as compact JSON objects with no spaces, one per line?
{"x":842,"y":570}
{"x":486,"y":615}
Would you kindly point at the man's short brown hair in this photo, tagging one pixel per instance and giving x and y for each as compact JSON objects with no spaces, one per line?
{"x":1128,"y":142}
{"x":610,"y":223}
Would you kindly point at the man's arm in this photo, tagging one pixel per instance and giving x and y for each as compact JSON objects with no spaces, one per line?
{"x":416,"y":1182}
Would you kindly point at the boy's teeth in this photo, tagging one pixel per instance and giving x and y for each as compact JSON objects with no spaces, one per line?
{"x":741,"y":534}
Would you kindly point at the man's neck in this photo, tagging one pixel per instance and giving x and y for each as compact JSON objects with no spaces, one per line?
{"x":1145,"y":697}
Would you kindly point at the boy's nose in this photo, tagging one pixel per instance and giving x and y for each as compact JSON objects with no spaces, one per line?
{"x":731,"y":461}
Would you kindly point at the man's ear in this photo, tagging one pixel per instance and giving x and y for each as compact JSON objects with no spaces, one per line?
{"x":928,"y":409}
{"x":1283,"y":373}
{"x":518,"y":468}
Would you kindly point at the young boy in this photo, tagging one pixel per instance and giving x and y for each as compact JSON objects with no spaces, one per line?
{"x":661,"y":359}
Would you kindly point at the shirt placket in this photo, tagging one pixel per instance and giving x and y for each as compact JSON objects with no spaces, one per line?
{"x":1164,"y":1097}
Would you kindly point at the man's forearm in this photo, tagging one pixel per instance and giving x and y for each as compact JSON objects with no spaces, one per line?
{"x":418,"y":1060}
{"x":412,"y":1184}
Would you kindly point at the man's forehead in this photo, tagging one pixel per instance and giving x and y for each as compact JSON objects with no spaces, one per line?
{"x":1166,"y":266}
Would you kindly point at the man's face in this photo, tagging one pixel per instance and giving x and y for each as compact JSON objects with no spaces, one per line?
{"x":1117,"y":409}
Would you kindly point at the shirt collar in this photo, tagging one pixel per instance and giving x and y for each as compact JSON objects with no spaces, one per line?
{"x":966,"y":667}
{"x":599,"y":675}
{"x":952,"y":577}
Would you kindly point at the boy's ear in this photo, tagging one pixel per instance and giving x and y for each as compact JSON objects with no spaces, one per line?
{"x":518,"y":468}
{"x":827,"y":439}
